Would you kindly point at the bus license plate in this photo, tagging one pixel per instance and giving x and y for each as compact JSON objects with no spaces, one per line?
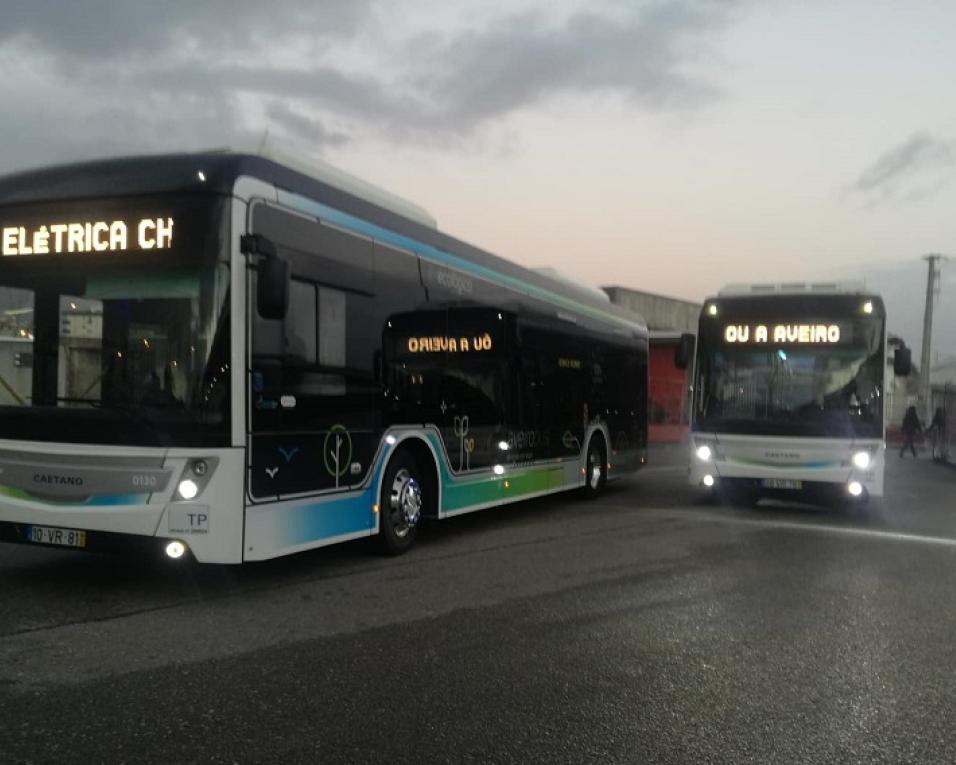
{"x":51,"y":535}
{"x":782,"y":483}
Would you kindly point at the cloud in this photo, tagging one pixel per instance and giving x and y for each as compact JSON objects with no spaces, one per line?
{"x":302,"y":127}
{"x":519,"y":60}
{"x":916,"y":169}
{"x":95,"y":30}
{"x":111,"y":75}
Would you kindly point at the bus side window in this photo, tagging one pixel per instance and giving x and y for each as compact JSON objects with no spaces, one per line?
{"x":300,"y":326}
{"x":293,"y":337}
{"x":332,"y":320}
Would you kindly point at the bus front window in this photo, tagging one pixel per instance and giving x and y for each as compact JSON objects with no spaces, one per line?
{"x":773,"y":390}
{"x":114,"y":353}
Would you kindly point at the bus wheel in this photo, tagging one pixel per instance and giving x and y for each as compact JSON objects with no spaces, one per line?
{"x":595,"y":468}
{"x":401,"y":505}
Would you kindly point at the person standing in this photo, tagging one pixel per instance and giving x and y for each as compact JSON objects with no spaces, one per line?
{"x":938,"y":428}
{"x":911,"y":428}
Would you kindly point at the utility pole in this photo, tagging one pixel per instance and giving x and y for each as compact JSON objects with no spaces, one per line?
{"x":926,"y":362}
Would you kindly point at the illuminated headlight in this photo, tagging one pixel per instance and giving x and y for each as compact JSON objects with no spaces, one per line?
{"x":499,"y":469}
{"x":503,"y":445}
{"x":855,"y":488}
{"x":708,"y":481}
{"x":704,"y":453}
{"x":188,"y":489}
{"x":175,"y":549}
{"x":861,"y":460}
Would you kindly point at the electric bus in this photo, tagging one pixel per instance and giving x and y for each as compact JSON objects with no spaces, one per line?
{"x":234,"y":357}
{"x":788,"y":393}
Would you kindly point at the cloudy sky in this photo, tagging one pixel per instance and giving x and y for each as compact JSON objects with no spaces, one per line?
{"x":668,"y":146}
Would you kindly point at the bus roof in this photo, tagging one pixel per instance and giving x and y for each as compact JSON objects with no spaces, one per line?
{"x":793,"y":288}
{"x":217,"y":172}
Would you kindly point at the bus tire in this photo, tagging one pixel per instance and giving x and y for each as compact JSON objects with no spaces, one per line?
{"x":595,"y":467}
{"x":401,"y":504}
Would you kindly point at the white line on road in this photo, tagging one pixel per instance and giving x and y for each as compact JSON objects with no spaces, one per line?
{"x":894,"y":536}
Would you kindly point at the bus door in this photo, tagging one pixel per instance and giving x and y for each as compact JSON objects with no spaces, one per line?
{"x":312,"y":381}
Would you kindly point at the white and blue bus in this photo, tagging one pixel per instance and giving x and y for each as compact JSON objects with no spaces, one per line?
{"x":237,"y":357}
{"x":788,"y":393}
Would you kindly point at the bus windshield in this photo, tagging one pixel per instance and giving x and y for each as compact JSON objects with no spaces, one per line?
{"x":779,"y":389}
{"x":98,"y":351}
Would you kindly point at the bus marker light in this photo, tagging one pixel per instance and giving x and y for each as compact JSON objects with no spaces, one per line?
{"x":188,"y":489}
{"x":708,"y":481}
{"x":390,"y":440}
{"x":507,"y":484}
{"x":175,"y":549}
{"x":861,"y":460}
{"x":375,"y":509}
{"x":868,"y":307}
{"x":855,"y":488}
{"x":503,"y":445}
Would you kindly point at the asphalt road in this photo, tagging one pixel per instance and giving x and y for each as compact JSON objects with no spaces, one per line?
{"x":646,"y":627}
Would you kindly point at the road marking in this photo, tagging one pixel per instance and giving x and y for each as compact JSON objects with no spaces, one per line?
{"x":661,"y":469}
{"x":894,"y":536}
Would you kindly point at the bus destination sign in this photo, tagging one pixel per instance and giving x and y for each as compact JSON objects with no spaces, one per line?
{"x":86,"y":237}
{"x":783,"y":334}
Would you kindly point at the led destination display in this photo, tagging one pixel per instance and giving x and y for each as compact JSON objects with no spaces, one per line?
{"x":784,"y":334}
{"x":147,"y":233}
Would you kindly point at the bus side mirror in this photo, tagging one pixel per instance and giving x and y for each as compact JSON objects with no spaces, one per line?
{"x":902,"y":362}
{"x":272,"y":284}
{"x":684,"y":352}
{"x":272,"y":293}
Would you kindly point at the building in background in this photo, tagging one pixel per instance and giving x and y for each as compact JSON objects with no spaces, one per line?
{"x":667,"y":319}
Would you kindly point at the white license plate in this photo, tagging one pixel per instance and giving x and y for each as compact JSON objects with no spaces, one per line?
{"x":51,"y":535}
{"x":781,"y":483}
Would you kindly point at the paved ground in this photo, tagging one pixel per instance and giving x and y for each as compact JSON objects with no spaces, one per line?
{"x":648,"y":627}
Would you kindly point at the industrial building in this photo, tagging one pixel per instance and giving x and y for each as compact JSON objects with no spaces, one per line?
{"x":667,"y":319}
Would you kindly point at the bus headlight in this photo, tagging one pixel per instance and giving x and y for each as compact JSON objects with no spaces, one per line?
{"x":855,"y":488}
{"x":704,"y":453}
{"x":188,"y":489}
{"x":708,"y":481}
{"x":175,"y":549}
{"x":861,"y":460}
{"x":195,"y":477}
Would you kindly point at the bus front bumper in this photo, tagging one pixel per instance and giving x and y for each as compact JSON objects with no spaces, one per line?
{"x":845,"y":481}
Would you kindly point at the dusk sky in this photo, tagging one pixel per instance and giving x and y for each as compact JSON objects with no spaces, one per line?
{"x":671,"y":147}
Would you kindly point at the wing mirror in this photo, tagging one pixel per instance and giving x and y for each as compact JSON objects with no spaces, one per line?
{"x":272,"y":284}
{"x":902,"y":361}
{"x":684,"y":352}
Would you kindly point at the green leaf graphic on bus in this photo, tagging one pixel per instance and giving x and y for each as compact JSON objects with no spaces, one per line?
{"x":337,"y":451}
{"x":570,"y":441}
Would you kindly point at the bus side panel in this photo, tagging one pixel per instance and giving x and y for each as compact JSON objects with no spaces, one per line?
{"x":211,"y":525}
